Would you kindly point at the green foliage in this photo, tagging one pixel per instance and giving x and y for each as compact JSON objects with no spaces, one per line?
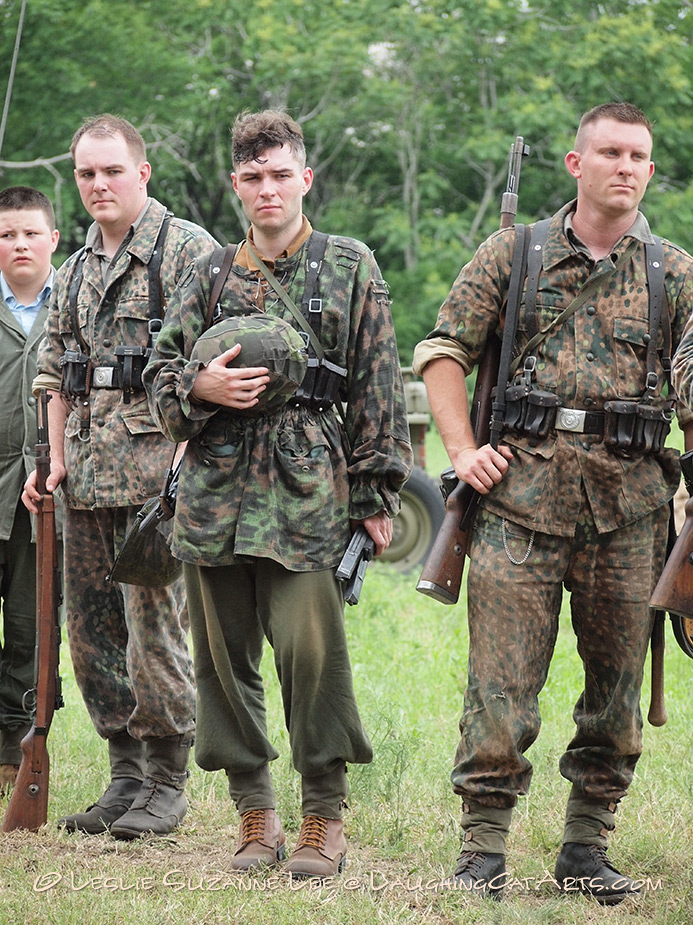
{"x":408,"y":109}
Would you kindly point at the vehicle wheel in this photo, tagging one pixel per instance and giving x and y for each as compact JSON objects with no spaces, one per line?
{"x":417,"y":524}
{"x":683,"y":631}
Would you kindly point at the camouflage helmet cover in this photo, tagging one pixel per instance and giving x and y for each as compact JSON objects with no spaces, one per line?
{"x":265,"y":341}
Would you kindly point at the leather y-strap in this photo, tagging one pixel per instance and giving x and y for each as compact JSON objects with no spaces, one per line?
{"x":654,"y":266}
{"x":221,"y":271}
{"x":587,"y":290}
{"x":288,"y":302}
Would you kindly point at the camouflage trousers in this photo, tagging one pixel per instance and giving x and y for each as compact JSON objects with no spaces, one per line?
{"x":513,"y":624}
{"x":127,"y":642}
{"x":233,"y":609}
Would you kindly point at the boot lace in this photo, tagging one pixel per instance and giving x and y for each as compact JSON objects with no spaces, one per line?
{"x":598,"y":853}
{"x":313,"y":833}
{"x":469,"y":862}
{"x":252,"y":826}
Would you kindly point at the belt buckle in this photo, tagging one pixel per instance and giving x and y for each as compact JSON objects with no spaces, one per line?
{"x":103,"y":377}
{"x":571,"y":419}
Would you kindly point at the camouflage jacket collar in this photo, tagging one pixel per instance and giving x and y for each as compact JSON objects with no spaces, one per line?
{"x":558,"y":247}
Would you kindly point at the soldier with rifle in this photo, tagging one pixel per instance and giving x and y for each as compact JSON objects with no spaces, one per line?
{"x":575,"y":495}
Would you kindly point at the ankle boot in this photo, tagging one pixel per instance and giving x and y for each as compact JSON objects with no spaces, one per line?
{"x":320,"y":850}
{"x":10,"y":755}
{"x":126,"y":758}
{"x":160,"y":805}
{"x":261,"y":840}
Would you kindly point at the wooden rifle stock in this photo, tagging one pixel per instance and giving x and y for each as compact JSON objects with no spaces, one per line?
{"x":28,"y":805}
{"x":441,"y":577}
{"x":674,"y":590}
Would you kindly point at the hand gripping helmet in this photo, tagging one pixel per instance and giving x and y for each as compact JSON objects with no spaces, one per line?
{"x":265,"y":341}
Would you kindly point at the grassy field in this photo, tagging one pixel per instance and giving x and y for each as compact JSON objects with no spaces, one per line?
{"x":409,"y":657}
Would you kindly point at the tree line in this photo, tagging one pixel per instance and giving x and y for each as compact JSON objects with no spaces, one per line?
{"x":409,"y":108}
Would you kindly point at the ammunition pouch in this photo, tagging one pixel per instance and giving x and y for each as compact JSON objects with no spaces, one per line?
{"x":76,"y":373}
{"x":529,"y":411}
{"x":131,"y":363}
{"x":320,"y":386}
{"x":634,"y":428}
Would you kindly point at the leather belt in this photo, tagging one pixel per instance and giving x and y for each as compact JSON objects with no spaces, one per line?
{"x":579,"y":422}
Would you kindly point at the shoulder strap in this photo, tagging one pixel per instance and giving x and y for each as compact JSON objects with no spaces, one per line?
{"x":654,"y":266}
{"x":154,"y":270}
{"x":73,"y":292}
{"x":286,"y":299}
{"x":540,"y":233}
{"x":512,"y":314}
{"x":153,"y":282}
{"x":219,"y":268}
{"x":311,"y":306}
{"x":587,"y":290}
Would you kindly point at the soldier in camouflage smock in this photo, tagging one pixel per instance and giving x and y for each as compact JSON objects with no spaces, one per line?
{"x":127,"y":642}
{"x":562,"y":509}
{"x":266,"y":496}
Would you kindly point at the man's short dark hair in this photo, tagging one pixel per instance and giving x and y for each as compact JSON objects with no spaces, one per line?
{"x":26,"y":197}
{"x":108,"y":126}
{"x":255,"y":132}
{"x":620,"y":112}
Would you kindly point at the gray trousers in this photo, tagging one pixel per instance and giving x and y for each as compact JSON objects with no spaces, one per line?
{"x":233,"y":609}
{"x":513,"y":623}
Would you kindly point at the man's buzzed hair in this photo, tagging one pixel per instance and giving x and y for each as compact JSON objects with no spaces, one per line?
{"x":620,"y":112}
{"x":108,"y":126}
{"x":255,"y":132}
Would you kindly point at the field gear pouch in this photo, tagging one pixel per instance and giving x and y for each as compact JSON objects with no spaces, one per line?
{"x":634,"y":428}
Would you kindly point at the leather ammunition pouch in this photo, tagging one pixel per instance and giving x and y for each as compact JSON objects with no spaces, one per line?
{"x":320,"y":387}
{"x":76,"y":373}
{"x":634,"y":427}
{"x":530,"y":411}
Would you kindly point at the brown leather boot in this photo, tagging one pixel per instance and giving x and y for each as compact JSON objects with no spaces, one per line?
{"x":261,"y":840}
{"x":320,"y":850}
{"x":8,"y":776}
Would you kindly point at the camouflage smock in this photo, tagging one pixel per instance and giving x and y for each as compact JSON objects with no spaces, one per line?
{"x":596,"y":355}
{"x":284,"y":485}
{"x":122,"y":457}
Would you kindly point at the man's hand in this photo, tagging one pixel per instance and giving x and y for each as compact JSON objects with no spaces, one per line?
{"x":231,"y":387}
{"x":483,"y":468}
{"x":379,"y":528}
{"x":30,"y":495}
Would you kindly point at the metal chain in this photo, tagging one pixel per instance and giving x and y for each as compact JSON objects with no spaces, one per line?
{"x":510,"y":556}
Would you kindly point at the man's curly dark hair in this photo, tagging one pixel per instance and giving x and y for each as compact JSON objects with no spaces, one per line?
{"x":255,"y":132}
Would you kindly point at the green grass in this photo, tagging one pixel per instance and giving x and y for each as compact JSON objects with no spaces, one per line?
{"x":409,"y":657}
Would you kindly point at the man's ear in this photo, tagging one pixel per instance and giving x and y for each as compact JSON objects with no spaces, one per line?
{"x":572,"y":162}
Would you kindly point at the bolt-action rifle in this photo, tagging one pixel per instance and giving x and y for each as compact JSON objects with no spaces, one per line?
{"x":674,"y":591}
{"x":28,"y":806}
{"x":441,"y":577}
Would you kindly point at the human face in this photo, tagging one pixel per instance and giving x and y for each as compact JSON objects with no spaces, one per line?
{"x":111,"y":183}
{"x":26,"y":245}
{"x":271,"y":189}
{"x":614,"y":167}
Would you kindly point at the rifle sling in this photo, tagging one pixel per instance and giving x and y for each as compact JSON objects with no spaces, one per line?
{"x":512,"y":314}
{"x":587,"y":290}
{"x":288,"y":302}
